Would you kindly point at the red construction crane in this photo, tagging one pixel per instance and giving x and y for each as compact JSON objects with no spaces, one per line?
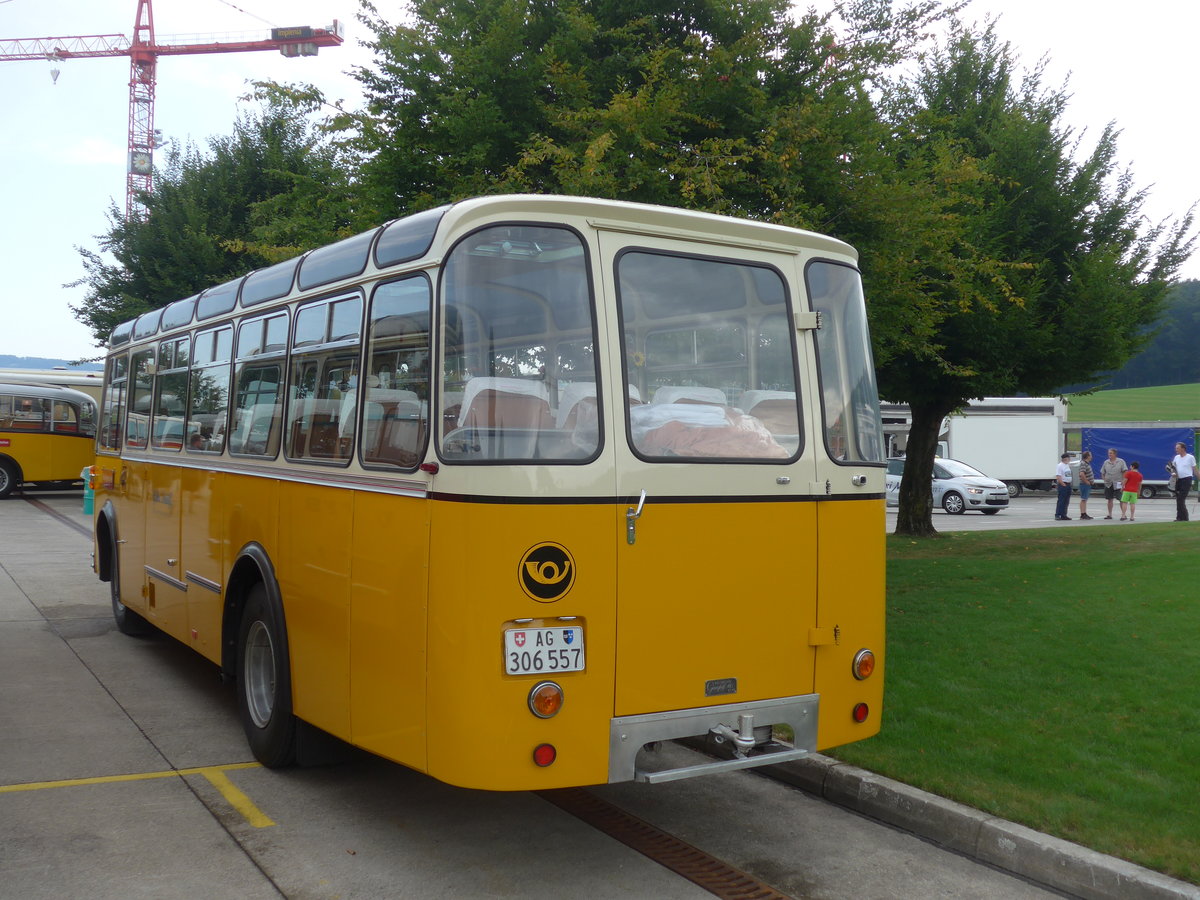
{"x":143,"y":52}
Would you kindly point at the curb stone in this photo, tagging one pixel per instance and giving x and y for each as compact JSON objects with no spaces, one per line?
{"x":1046,"y":860}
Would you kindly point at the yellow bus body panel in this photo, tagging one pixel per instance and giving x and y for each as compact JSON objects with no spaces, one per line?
{"x":481,"y":731}
{"x":201,"y":550}
{"x":388,"y":619}
{"x":692,"y":630}
{"x":48,"y":457}
{"x":166,"y":604}
{"x":850,"y":560}
{"x":312,"y":563}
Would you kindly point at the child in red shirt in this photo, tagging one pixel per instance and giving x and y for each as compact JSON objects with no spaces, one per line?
{"x":1133,"y":484}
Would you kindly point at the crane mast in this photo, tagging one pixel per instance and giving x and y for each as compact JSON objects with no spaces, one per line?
{"x":143,"y":52}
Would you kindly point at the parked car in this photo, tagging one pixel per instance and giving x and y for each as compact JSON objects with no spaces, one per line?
{"x":957,"y":487}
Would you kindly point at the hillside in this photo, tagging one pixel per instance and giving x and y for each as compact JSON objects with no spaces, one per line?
{"x":1165,"y":403}
{"x":42,"y":362}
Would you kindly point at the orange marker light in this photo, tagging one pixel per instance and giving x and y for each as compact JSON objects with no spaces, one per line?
{"x":864,"y":664}
{"x":546,"y":699}
{"x":544,"y":754}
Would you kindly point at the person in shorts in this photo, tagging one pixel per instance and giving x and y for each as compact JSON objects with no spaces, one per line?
{"x":1112,"y":473}
{"x":1086,"y":478}
{"x":1133,"y":484}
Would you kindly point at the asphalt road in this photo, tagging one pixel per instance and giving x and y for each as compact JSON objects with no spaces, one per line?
{"x":124,"y":774}
{"x":1037,"y":511}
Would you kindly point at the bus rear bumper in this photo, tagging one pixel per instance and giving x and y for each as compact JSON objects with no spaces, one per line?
{"x":628,"y":734}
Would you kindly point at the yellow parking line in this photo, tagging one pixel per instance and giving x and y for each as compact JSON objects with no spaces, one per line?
{"x":215,"y":776}
{"x":235,"y":797}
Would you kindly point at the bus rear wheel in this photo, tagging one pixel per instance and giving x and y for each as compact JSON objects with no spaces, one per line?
{"x":264,"y":681}
{"x":8,"y":478}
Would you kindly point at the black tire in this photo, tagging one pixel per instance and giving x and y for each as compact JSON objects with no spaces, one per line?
{"x":1014,"y":488}
{"x":8,"y":478}
{"x":953,"y":503}
{"x":128,"y":622}
{"x":1147,"y":492}
{"x":265,"y":682}
{"x":989,"y":512}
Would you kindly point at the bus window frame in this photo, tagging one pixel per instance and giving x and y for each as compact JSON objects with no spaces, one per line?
{"x":258,"y":319}
{"x":841,"y":358}
{"x":296,"y":356}
{"x":553,"y":339}
{"x":788,"y":308}
{"x":426,"y":425}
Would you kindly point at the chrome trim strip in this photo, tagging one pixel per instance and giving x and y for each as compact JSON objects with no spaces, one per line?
{"x":628,"y":734}
{"x":318,"y":475}
{"x":164,"y":577}
{"x":201,"y":581}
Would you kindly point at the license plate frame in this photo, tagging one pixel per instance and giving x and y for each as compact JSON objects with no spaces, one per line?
{"x":544,"y":650}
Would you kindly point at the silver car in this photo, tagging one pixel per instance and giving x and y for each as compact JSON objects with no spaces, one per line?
{"x":957,"y":487}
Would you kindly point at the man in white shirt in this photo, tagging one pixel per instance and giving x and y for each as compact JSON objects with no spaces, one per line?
{"x":1185,"y":472}
{"x":1062,"y":476}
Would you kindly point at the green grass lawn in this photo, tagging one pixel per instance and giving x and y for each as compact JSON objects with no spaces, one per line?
{"x":1172,"y":402}
{"x":1053,"y":680}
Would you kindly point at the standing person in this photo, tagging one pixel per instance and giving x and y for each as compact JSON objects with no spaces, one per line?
{"x":1086,"y":479}
{"x":1133,"y":484}
{"x":1112,"y":473}
{"x":1185,"y":472}
{"x":1062,"y":475}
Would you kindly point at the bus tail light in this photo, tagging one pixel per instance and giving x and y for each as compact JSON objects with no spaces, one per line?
{"x":864,"y":664}
{"x":544,"y":754}
{"x":545,"y":700}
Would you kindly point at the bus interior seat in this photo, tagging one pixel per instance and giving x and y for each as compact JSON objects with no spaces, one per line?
{"x":775,"y":409}
{"x":493,"y":402}
{"x":689,"y":394}
{"x":502,"y":418}
{"x":578,"y":392}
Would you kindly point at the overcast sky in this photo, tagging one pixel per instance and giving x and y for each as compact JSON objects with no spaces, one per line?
{"x":63,"y":146}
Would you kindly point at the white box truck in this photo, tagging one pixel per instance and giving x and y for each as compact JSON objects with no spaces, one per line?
{"x":1018,"y":440}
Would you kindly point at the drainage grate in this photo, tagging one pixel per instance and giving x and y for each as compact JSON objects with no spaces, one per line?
{"x":717,"y":877}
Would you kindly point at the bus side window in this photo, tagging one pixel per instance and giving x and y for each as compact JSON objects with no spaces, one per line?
{"x":323,"y":390}
{"x":396,"y":407}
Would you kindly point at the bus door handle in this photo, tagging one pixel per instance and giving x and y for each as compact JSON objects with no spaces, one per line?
{"x":631,"y":517}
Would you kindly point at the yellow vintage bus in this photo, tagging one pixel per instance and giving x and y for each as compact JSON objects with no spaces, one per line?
{"x":512,"y":490}
{"x":47,"y":434}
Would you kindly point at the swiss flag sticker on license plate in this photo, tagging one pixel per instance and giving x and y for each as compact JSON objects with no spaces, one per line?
{"x":539,"y":651}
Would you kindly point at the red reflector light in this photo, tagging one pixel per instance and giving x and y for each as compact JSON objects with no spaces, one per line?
{"x":861,"y":711}
{"x":431,"y":468}
{"x":544,"y":754}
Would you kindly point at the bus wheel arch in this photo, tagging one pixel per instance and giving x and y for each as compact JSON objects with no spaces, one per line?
{"x":10,"y":476}
{"x":256,"y":653}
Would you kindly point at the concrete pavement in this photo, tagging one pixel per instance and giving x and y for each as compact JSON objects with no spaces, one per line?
{"x":75,"y":728}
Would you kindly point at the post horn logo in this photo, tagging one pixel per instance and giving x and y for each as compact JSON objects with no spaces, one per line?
{"x":546,"y":572}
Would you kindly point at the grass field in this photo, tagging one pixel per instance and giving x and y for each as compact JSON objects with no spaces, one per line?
{"x":1051,"y":680}
{"x":1172,"y":402}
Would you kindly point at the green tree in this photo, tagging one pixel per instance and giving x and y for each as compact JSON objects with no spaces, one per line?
{"x":269,"y":191}
{"x":697,"y":104}
{"x":1053,"y":271}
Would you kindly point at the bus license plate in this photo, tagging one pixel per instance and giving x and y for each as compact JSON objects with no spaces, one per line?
{"x":538,"y":651}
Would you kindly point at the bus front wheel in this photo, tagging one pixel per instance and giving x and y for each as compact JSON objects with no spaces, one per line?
{"x":264,"y":681}
{"x":128,"y":622}
{"x":8,"y":478}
